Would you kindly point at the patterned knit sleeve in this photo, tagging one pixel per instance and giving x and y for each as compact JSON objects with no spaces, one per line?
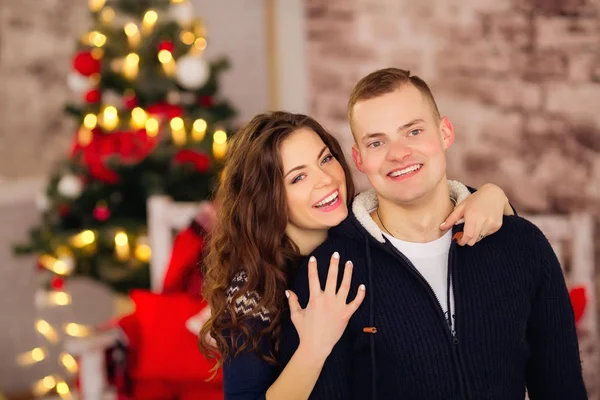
{"x":247,"y":302}
{"x":247,"y":376}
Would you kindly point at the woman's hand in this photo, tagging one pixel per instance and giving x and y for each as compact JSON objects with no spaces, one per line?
{"x":321,"y":324}
{"x":482,"y":212}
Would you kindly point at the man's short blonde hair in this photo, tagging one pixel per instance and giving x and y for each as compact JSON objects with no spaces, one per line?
{"x":385,"y":81}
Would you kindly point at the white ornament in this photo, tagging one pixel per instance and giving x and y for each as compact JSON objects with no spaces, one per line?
{"x":192,"y":72}
{"x":42,"y":202}
{"x":79,"y":83}
{"x":111,"y":98}
{"x":70,"y":186}
{"x":182,"y":12}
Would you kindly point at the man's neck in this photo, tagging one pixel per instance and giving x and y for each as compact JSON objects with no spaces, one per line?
{"x":418,"y":221}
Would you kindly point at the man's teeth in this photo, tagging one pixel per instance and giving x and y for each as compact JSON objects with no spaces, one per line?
{"x":406,"y":170}
{"x":328,"y":200}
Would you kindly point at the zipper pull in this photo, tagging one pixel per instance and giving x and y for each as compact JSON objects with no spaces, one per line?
{"x":370,"y":329}
{"x":457,"y":236}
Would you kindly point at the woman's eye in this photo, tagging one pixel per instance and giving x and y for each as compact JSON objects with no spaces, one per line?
{"x":298,"y":178}
{"x":327,"y":159}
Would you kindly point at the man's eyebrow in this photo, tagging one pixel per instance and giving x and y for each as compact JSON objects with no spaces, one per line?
{"x":401,"y":128}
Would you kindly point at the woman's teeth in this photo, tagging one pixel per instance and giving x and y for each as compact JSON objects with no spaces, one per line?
{"x":328,"y":200}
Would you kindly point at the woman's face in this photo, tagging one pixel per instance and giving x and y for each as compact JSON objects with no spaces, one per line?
{"x":314,"y":182}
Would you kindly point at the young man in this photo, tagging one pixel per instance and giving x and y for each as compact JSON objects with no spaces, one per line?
{"x":440,"y":321}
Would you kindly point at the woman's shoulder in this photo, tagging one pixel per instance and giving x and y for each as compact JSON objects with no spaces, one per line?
{"x":246,"y":302}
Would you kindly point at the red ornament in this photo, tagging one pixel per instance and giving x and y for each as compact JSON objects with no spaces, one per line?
{"x":57,"y":283}
{"x":200,"y":161}
{"x":206,"y":101}
{"x":101,"y":212}
{"x":124,"y":147}
{"x":130,"y":101}
{"x":93,"y":96}
{"x":64,"y":210}
{"x":86,"y":64}
{"x":166,"y":45}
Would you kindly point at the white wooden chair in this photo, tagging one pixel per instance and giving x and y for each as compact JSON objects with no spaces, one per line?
{"x":165,"y":218}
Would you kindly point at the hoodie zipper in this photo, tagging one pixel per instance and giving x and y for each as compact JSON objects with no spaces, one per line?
{"x":463,"y":384}
{"x":452,"y":337}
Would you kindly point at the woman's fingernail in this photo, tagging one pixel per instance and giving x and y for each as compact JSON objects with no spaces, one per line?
{"x":312,"y":259}
{"x":442,"y":224}
{"x":362,"y":287}
{"x":336,"y":255}
{"x":287,"y":294}
{"x":349,"y":264}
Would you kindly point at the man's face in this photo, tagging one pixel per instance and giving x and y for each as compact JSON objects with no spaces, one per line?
{"x":401,"y":144}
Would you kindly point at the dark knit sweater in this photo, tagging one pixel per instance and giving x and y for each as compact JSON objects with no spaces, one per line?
{"x":514,"y":322}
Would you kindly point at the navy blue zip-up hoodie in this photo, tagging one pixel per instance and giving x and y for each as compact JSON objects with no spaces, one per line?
{"x":514,"y":323}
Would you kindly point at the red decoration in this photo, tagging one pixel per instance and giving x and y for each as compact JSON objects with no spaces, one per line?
{"x":162,"y":319}
{"x":57,"y":283}
{"x":125,"y":147}
{"x":130,"y":101}
{"x":93,"y":96}
{"x":101,"y":212}
{"x":165,"y":110}
{"x":166,"y":45}
{"x":200,"y":161}
{"x":183,"y":275}
{"x":150,"y":371}
{"x":206,"y":101}
{"x":86,"y":64}
{"x":578,"y":301}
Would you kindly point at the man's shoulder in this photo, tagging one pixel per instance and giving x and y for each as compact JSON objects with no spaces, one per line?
{"x":521,"y":229}
{"x":524,"y":243}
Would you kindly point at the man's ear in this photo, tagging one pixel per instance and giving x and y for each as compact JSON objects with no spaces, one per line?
{"x":447,"y":132}
{"x":357,"y":158}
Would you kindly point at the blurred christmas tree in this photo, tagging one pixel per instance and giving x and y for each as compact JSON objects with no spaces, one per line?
{"x":151,"y":122}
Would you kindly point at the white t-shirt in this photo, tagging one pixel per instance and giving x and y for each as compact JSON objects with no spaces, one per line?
{"x":431,"y":260}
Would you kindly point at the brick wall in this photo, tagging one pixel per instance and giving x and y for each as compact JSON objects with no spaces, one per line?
{"x":520,"y":80}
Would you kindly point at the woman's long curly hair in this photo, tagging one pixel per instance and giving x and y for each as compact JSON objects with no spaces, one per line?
{"x":250,"y":234}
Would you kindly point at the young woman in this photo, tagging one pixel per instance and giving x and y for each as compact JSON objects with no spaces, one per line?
{"x":285,"y":183}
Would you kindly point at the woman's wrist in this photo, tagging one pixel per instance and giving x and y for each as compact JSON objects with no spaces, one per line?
{"x":312,"y":354}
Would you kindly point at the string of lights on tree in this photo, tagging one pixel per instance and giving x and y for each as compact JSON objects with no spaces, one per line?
{"x":150,"y":121}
